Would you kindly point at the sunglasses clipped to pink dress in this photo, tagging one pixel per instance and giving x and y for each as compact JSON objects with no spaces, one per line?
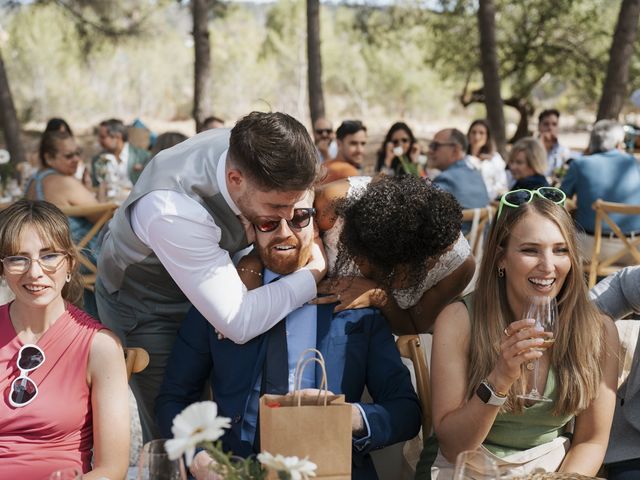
{"x":24,"y":390}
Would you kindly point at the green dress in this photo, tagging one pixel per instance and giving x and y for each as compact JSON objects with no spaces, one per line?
{"x":511,"y":432}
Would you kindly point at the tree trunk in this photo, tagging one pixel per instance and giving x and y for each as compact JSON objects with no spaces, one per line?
{"x":316,"y":96}
{"x":614,"y":91}
{"x":9,"y":119}
{"x":525,"y":109}
{"x":490,"y":73}
{"x":202,"y":63}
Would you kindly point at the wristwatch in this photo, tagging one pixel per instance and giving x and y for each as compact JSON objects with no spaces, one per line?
{"x":488,"y":395}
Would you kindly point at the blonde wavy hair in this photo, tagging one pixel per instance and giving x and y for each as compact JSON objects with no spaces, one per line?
{"x":580,"y":345}
{"x":534,"y":152}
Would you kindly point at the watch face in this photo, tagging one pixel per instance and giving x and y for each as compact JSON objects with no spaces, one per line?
{"x":483,"y":392}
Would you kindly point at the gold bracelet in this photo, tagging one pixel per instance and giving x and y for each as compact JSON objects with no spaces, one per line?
{"x":242,"y":269}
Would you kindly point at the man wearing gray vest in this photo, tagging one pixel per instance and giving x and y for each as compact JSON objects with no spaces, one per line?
{"x":169,"y":245}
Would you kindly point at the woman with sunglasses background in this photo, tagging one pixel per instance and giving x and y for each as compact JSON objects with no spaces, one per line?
{"x":483,"y":345}
{"x":55,"y":182}
{"x":527,"y":163}
{"x":62,"y":374}
{"x":483,"y":155}
{"x":398,"y":142}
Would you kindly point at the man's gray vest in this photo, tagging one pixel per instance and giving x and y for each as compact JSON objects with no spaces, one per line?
{"x":130,"y":267}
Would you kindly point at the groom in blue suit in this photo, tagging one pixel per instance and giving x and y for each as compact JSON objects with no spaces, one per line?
{"x":357,"y":345}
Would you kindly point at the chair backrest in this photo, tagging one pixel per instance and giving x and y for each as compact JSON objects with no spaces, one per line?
{"x":107,"y":210}
{"x":480,"y":219}
{"x":410,"y":347}
{"x":599,"y":265}
{"x":136,"y":360}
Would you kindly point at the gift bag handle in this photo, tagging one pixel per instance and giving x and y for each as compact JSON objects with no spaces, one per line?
{"x":301,"y":365}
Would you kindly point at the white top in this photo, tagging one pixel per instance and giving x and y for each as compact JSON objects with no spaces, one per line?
{"x":493,"y":173}
{"x":185,"y":238}
{"x":406,"y":297}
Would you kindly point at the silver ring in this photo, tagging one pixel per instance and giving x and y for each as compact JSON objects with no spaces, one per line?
{"x":506,"y":331}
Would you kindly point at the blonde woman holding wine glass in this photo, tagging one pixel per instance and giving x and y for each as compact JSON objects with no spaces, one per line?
{"x":482,"y":345}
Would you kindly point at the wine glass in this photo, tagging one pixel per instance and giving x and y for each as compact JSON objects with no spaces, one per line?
{"x":155,"y":464}
{"x":475,"y":465}
{"x":66,"y":474}
{"x":544,"y":310}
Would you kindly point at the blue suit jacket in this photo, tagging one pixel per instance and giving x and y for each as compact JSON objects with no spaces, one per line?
{"x":613,"y":176}
{"x":359,"y":351}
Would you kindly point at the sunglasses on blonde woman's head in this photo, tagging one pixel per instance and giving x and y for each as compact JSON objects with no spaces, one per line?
{"x":24,"y":390}
{"x":515,"y":198}
{"x":301,"y":218}
{"x":18,"y":264}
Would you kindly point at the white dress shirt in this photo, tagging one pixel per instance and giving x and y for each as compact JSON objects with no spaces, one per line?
{"x":185,"y":238}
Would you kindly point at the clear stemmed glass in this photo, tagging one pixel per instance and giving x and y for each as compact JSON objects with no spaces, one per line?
{"x":475,"y":465}
{"x":155,"y":464}
{"x":545,"y":312}
{"x":66,"y":474}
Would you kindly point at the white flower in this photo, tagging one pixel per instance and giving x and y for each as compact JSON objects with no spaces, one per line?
{"x":4,"y":156}
{"x":196,"y":423}
{"x":398,"y":151}
{"x":298,"y":469}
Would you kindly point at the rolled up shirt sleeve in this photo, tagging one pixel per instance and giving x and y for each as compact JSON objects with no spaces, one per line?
{"x":186,"y":240}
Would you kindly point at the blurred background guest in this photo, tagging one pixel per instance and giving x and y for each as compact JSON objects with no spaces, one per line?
{"x":483,"y":155}
{"x":125,"y":160}
{"x":56,"y":124}
{"x":324,"y":138}
{"x":63,"y":373}
{"x":351,"y":138}
{"x":167,"y":140}
{"x":557,"y":155}
{"x":527,"y":163}
{"x":212,"y":122}
{"x":398,"y":142}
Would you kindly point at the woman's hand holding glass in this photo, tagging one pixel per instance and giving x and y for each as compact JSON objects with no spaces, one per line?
{"x":521,"y":341}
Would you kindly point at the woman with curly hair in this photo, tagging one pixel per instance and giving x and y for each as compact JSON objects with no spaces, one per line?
{"x":483,"y":345}
{"x":393,"y":243}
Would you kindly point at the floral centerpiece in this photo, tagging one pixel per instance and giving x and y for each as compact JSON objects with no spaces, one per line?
{"x":199,"y":426}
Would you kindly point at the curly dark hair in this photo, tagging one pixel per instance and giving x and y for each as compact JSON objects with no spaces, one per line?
{"x":398,"y":222}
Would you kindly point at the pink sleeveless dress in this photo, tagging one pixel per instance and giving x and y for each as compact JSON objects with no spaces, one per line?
{"x":54,"y":431}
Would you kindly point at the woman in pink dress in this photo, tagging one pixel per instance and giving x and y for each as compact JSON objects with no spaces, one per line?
{"x":62,"y":374}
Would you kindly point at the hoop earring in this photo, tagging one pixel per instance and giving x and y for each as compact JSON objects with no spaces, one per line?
{"x":500,"y":272}
{"x":68,"y":277}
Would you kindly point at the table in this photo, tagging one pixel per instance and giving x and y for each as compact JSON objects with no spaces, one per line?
{"x":555,"y":476}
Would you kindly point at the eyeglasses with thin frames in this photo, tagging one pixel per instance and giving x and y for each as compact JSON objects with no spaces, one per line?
{"x":18,"y":264}
{"x":23,"y":389}
{"x":301,"y":219}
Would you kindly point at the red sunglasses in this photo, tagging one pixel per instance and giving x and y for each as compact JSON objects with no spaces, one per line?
{"x":301,"y":218}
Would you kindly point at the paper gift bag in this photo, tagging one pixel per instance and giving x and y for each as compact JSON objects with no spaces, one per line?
{"x":315,"y":427}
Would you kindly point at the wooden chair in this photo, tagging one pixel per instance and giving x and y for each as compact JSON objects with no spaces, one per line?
{"x":107,"y":210}
{"x":480,"y":218}
{"x":136,"y":360}
{"x":410,"y":347}
{"x":601,"y":267}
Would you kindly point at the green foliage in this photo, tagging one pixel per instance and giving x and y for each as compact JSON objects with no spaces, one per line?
{"x":546,"y":46}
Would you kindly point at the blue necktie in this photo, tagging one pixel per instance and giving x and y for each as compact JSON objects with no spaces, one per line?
{"x":275,"y":375}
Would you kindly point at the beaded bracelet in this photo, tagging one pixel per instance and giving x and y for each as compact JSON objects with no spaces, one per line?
{"x":248,"y":270}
